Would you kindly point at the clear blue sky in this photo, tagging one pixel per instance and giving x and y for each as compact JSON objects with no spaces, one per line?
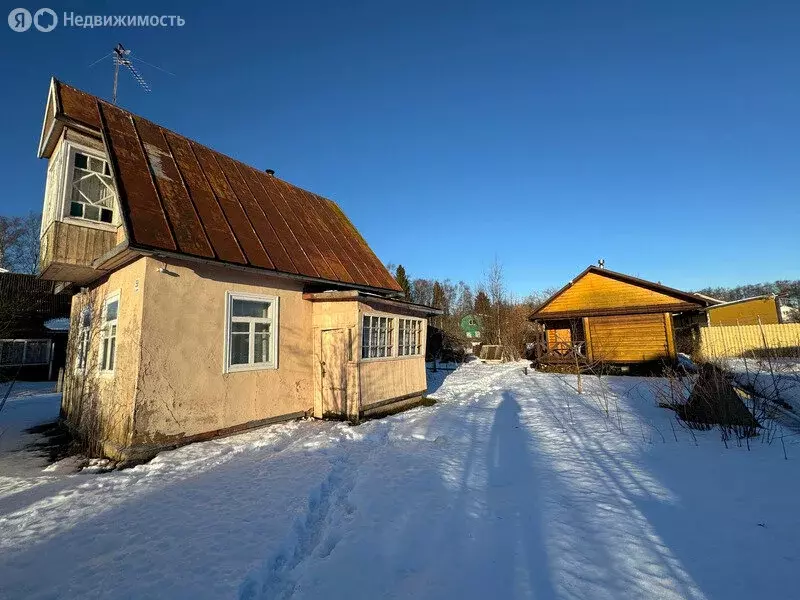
{"x":661,"y":136}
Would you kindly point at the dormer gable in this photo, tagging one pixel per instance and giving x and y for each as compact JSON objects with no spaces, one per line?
{"x":81,"y":217}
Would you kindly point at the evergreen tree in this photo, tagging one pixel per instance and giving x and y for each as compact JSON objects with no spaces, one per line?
{"x":482,"y":304}
{"x":402,"y":279}
{"x":439,"y":300}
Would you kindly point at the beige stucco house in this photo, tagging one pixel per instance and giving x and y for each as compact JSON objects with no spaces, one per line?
{"x":209,"y":296}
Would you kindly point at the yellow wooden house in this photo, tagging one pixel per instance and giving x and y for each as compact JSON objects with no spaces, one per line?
{"x":606,"y":317}
{"x":764,"y":310}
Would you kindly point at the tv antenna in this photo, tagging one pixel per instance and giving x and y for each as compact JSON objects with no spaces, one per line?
{"x":122,"y":58}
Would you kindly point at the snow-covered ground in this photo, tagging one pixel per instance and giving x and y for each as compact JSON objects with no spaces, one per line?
{"x":510,"y":486}
{"x":778,"y":378}
{"x":28,"y":404}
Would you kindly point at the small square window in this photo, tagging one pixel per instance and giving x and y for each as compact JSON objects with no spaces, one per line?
{"x":91,"y":212}
{"x":251,"y":341}
{"x":112,"y":309}
{"x":96,"y":165}
{"x":81,"y":160}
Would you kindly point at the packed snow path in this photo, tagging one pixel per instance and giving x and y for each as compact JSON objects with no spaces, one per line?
{"x":512,"y":486}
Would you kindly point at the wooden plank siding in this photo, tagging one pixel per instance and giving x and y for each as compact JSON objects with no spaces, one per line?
{"x":630,"y":338}
{"x":752,"y":311}
{"x":671,"y":351}
{"x":597,"y":294}
{"x":587,"y":332}
{"x":619,"y":318}
{"x":68,"y":250}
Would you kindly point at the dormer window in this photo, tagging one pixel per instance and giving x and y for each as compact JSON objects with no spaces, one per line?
{"x":91,"y":189}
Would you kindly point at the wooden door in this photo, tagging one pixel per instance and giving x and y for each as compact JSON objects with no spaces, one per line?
{"x":333,"y":365}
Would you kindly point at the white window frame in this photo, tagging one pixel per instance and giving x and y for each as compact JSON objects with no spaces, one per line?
{"x":418,"y":346}
{"x":25,"y":343}
{"x":104,"y":324}
{"x":53,"y":190}
{"x":391,"y":330}
{"x":70,"y":148}
{"x":273,"y":319}
{"x":84,"y":339}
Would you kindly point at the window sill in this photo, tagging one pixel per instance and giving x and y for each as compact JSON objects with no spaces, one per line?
{"x":90,"y":224}
{"x":388,"y":358}
{"x":250,"y":368}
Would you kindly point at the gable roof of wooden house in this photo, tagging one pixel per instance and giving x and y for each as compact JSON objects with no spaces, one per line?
{"x":179,"y":197}
{"x":601,"y":292}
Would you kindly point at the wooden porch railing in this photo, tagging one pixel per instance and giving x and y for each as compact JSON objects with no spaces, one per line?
{"x":561,"y":352}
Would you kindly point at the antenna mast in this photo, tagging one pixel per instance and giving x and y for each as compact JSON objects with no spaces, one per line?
{"x":122,"y":57}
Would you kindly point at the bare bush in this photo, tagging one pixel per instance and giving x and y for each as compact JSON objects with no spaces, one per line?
{"x":90,"y":408}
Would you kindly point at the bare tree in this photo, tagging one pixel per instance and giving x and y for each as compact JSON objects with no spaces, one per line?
{"x":422,"y":291}
{"x":495,"y":286}
{"x":464,"y":301}
{"x":26,"y":250}
{"x":11,"y":230}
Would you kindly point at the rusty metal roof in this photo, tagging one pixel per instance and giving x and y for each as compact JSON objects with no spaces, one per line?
{"x":180,"y":196}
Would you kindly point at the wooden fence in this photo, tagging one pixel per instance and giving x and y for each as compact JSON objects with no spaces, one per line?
{"x":746,"y":340}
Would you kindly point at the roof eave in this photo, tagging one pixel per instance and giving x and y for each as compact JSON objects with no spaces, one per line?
{"x":158,"y":253}
{"x":354,"y":295}
{"x":51,"y":134}
{"x":678,"y":307}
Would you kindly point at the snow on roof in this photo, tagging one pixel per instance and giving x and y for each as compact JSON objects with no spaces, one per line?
{"x":710,"y":298}
{"x":729,"y":302}
{"x":58,"y":324}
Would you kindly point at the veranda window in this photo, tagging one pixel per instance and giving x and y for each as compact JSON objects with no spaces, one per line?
{"x":14,"y":353}
{"x":377,"y":337}
{"x":409,"y":337}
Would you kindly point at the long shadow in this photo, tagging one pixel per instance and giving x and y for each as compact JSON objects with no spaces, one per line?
{"x":514,"y":486}
{"x":609,"y":546}
{"x":696,"y":512}
{"x":735,"y":523}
